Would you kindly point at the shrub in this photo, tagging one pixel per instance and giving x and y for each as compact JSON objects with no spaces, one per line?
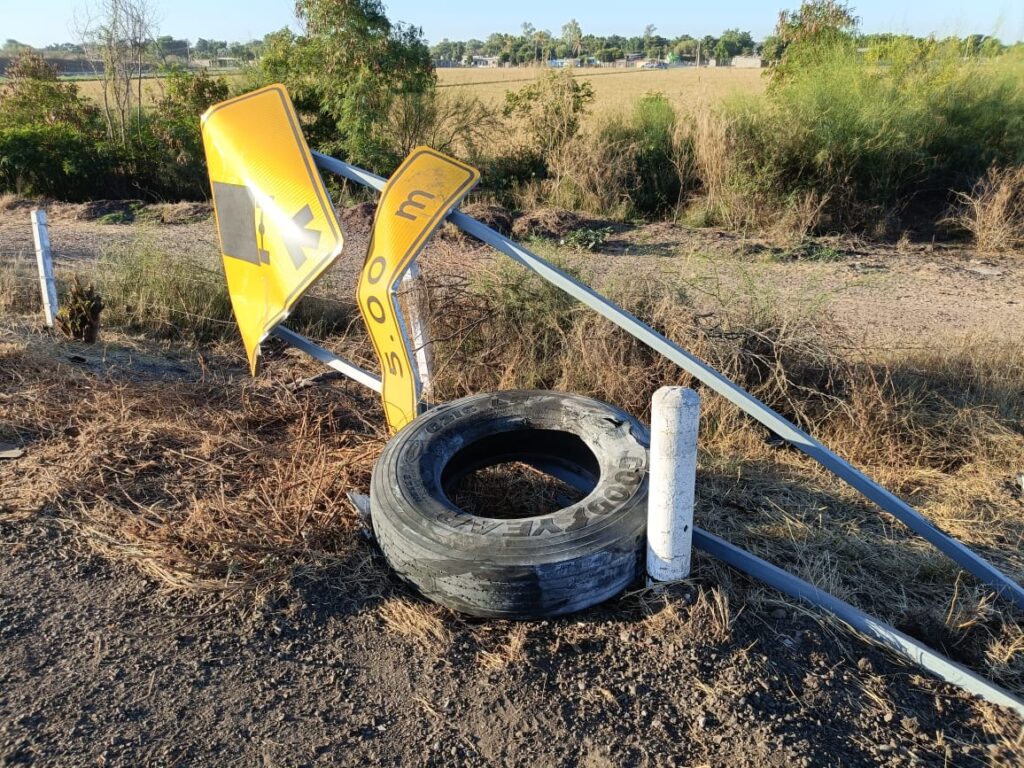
{"x":55,"y":161}
{"x":872,"y":135}
{"x":451,"y":121}
{"x":345,"y":74}
{"x":79,"y":315}
{"x":174,"y":161}
{"x":34,"y":95}
{"x":649,"y":131}
{"x":631,"y":165}
{"x":550,"y":109}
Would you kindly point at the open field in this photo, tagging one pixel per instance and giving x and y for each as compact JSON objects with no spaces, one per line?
{"x":613,"y":88}
{"x":192,"y":522}
{"x":616,"y":88}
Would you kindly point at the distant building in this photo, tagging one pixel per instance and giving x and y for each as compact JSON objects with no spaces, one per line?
{"x":631,"y":60}
{"x":747,"y":62}
{"x":221,"y":62}
{"x":485,"y":61}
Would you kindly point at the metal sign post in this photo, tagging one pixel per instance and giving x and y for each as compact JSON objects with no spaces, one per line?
{"x":956,"y":550}
{"x":44,"y":259}
{"x":879,"y":631}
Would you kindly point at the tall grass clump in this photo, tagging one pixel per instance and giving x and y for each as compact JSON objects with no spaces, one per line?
{"x":878,"y":137}
{"x":147,"y":290}
{"x":993,"y":212}
{"x":627,"y":164}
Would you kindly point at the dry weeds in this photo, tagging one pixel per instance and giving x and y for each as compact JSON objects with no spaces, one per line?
{"x":422,"y":622}
{"x":510,"y":651}
{"x":993,"y":212}
{"x":204,"y":483}
{"x":209,"y":482}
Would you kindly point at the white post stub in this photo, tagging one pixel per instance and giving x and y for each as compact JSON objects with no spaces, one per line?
{"x":675,"y":416}
{"x":47,"y":285}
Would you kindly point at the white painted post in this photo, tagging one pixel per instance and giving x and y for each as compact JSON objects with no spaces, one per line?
{"x":415,"y":309}
{"x":675,"y":416}
{"x":47,"y":285}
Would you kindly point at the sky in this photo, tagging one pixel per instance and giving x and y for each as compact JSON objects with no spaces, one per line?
{"x":53,"y":20}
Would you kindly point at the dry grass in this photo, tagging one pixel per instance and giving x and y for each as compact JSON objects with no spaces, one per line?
{"x":204,"y":484}
{"x":512,"y":490}
{"x":19,"y":286}
{"x":210,"y":484}
{"x":706,"y":619}
{"x":510,"y":651}
{"x":993,"y":212}
{"x":942,"y":427}
{"x":419,"y":621}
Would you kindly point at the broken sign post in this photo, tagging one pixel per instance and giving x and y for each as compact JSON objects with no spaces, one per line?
{"x":417,"y":201}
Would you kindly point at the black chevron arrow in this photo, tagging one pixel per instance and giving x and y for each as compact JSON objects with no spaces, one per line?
{"x":301,"y":237}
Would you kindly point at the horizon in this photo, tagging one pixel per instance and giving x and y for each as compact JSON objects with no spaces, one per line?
{"x":461,"y":20}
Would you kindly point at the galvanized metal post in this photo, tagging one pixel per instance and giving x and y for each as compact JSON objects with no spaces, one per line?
{"x":876,"y":629}
{"x":416,"y":311}
{"x":47,"y":284}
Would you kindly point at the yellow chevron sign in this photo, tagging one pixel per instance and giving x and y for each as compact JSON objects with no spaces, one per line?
{"x":414,"y":202}
{"x":278,"y":231}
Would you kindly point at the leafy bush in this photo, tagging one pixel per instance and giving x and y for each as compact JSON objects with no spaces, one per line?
{"x":451,"y":121}
{"x":55,"y":161}
{"x":871,"y":135}
{"x":627,"y":165}
{"x":346,"y":73}
{"x":655,"y":187}
{"x":172,"y":141}
{"x":33,"y":95}
{"x":550,"y":109}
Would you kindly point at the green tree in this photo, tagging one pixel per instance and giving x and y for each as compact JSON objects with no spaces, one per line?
{"x":346,"y":72}
{"x":816,"y":20}
{"x":572,"y":36}
{"x":812,"y":32}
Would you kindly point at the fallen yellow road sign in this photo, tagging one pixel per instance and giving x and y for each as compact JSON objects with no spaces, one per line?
{"x":278,"y":231}
{"x":414,"y":202}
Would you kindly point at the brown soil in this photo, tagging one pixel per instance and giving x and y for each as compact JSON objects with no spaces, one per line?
{"x":344,"y":666}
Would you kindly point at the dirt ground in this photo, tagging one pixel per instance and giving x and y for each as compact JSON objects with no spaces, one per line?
{"x":99,"y":665}
{"x":879,"y":295}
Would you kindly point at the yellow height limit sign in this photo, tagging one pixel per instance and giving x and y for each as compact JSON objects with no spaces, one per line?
{"x":278,"y":231}
{"x":414,"y":202}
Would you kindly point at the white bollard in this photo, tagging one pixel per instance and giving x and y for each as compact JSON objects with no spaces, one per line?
{"x":675,"y":416}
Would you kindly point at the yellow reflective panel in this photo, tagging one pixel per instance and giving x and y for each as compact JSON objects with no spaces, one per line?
{"x":414,"y":202}
{"x":277,"y":228}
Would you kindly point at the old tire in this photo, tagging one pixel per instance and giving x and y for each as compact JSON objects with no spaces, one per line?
{"x":544,"y":565}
